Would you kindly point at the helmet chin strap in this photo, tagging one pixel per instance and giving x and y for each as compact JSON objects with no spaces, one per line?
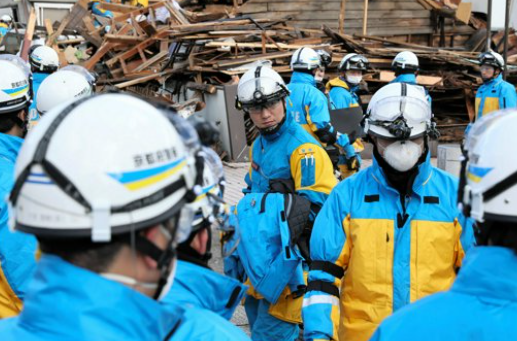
{"x":129,"y":281}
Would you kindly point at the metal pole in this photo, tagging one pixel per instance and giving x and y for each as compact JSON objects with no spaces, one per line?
{"x":506,"y":32}
{"x":489,"y":26}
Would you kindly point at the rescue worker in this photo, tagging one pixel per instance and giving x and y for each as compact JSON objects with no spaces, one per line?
{"x":17,"y":250}
{"x":107,"y":222}
{"x":389,"y":235}
{"x":343,"y":95}
{"x":5,"y":25}
{"x":44,"y":61}
{"x":343,"y":89}
{"x":305,"y":103}
{"x":406,"y":67}
{"x":198,"y":289}
{"x":58,"y":88}
{"x":325,"y":60}
{"x":482,"y":303}
{"x":495,"y":93}
{"x":286,"y":159}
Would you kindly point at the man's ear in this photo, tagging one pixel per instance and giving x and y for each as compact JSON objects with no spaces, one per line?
{"x":200,"y":242}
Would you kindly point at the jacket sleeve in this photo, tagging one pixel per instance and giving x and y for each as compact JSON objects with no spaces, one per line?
{"x":342,"y":99}
{"x":508,"y":98}
{"x":313,"y":173}
{"x":317,"y":110}
{"x":467,"y":239}
{"x":330,"y":251}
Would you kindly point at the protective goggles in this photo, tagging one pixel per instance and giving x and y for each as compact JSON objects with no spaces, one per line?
{"x":359,"y":61}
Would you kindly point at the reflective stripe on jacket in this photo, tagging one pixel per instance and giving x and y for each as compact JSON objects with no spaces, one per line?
{"x":494,"y":95}
{"x":481,"y":305}
{"x":395,"y":250}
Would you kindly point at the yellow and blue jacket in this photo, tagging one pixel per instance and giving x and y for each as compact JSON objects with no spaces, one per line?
{"x":494,"y":95}
{"x":308,"y":106}
{"x":481,"y":305}
{"x":373,"y":251}
{"x":291,"y":154}
{"x":17,"y":250}
{"x":341,"y":95}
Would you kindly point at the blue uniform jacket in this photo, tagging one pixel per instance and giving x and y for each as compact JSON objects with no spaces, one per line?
{"x":495,"y":95}
{"x":481,"y":305}
{"x":341,"y":95}
{"x":65,"y":302}
{"x":209,"y":300}
{"x":269,"y":259}
{"x":17,"y":249}
{"x":393,"y":250}
{"x":306,"y":104}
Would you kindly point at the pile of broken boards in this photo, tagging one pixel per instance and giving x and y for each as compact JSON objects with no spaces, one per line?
{"x":162,"y":49}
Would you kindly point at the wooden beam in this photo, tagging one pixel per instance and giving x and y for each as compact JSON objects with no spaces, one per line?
{"x":342,"y":17}
{"x":90,"y":63}
{"x":365,"y":17}
{"x":29,"y":33}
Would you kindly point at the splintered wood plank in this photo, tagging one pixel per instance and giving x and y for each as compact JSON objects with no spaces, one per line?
{"x":29,"y":33}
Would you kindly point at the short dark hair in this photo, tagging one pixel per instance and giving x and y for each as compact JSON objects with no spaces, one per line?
{"x":8,"y":121}
{"x":96,"y":257}
{"x":497,"y":233}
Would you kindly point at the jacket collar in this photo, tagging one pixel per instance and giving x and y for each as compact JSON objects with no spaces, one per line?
{"x":91,"y":307}
{"x":425,"y":171}
{"x":495,"y":80}
{"x":405,"y":78}
{"x":10,"y":146}
{"x":204,"y":288}
{"x":302,"y":77}
{"x":489,"y":272}
{"x":337,"y":82}
{"x":287,"y":123}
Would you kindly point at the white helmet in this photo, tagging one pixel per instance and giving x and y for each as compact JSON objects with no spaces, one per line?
{"x":61,"y":87}
{"x":305,"y":59}
{"x":353,"y":61}
{"x":102,"y":165}
{"x":90,"y":77}
{"x":399,"y":111}
{"x":405,"y":60}
{"x":488,"y":181}
{"x":15,"y":84}
{"x":258,"y":87}
{"x":209,"y":202}
{"x":6,"y":19}
{"x":44,"y":59}
{"x":491,"y":58}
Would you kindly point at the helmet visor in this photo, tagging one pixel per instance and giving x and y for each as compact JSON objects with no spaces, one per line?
{"x":414,"y":111}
